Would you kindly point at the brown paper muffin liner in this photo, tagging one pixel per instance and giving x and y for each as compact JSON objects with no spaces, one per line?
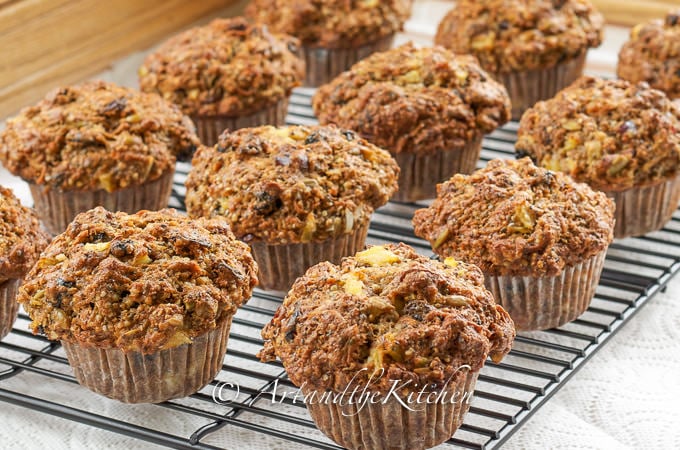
{"x":57,"y":209}
{"x":280,"y":265}
{"x":540,"y":303}
{"x":9,"y":308}
{"x":137,"y":378}
{"x":644,"y":209}
{"x":209,"y":128}
{"x":387,"y":425}
{"x":528,"y":87}
{"x":324,"y":64}
{"x":420,"y":173}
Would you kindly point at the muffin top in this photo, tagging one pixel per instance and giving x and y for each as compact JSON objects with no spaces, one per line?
{"x":408,"y":98}
{"x":332,"y":23}
{"x":142,"y":282}
{"x":611,"y":134}
{"x":653,"y":55}
{"x":513,"y":218}
{"x":390,"y":314}
{"x":228,"y":67}
{"x":290,"y":184}
{"x":21,"y":238}
{"x":519,"y":35}
{"x":95,"y":136}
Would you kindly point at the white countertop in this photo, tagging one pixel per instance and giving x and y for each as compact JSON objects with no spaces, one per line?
{"x":626,"y":396}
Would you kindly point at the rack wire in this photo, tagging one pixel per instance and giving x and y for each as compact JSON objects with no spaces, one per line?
{"x":259,"y":401}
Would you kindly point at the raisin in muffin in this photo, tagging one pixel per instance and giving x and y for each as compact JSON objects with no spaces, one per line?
{"x":334,"y":34}
{"x":427,"y":106}
{"x":142,"y":303}
{"x":21,"y":241}
{"x":618,"y":137}
{"x":395,"y":323}
{"x":298,"y":195}
{"x":539,"y":237}
{"x":534,"y":47}
{"x":96,"y":144}
{"x":228,"y":74}
{"x":652,"y":54}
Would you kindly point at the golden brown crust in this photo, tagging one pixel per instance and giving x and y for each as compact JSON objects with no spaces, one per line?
{"x":228,"y":67}
{"x":611,"y":134}
{"x":141,"y":282}
{"x":415,"y":99}
{"x":521,"y":35}
{"x":290,"y":184}
{"x":513,"y":218}
{"x":332,"y":23}
{"x":386,"y":311}
{"x":21,"y":238}
{"x":652,"y":54}
{"x":96,"y":136}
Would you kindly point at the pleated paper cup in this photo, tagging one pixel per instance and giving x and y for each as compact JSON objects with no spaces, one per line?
{"x":133,"y":377}
{"x":420,"y":173}
{"x":209,"y":128}
{"x":9,"y":308}
{"x":531,"y":86}
{"x":323,"y":64}
{"x":540,"y":303}
{"x":644,"y":209}
{"x":56,"y":209}
{"x":280,"y":265}
{"x":387,"y":424}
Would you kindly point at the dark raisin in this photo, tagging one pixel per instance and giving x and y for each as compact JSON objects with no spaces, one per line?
{"x":252,"y":148}
{"x":628,"y":126}
{"x":302,"y":161}
{"x":282,"y":160}
{"x":672,"y":20}
{"x":349,"y":135}
{"x":41,"y":330}
{"x":292,"y":47}
{"x":312,"y":138}
{"x":267,"y":203}
{"x":59,"y":300}
{"x":292,"y":325}
{"x":99,"y":237}
{"x":237,"y":26}
{"x":119,"y":249}
{"x":64,"y":283}
{"x":247,"y":238}
{"x":115,"y":106}
{"x":521,"y":153}
{"x":503,"y":25}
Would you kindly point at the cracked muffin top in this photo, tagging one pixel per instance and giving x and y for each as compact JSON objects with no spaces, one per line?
{"x":513,"y":218}
{"x":652,"y":54}
{"x":290,"y":184}
{"x":228,"y":67}
{"x":520,"y":35}
{"x":332,"y":23}
{"x":390,"y":314}
{"x":143,"y":282}
{"x":96,"y":136}
{"x":611,"y":134}
{"x":21,"y":238}
{"x":408,"y":98}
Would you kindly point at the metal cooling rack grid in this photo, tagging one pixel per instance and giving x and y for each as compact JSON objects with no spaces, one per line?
{"x":507,"y":394}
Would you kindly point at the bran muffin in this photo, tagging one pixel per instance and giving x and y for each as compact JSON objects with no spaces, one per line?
{"x":21,"y":241}
{"x":388,"y":315}
{"x":141,"y":303}
{"x":652,"y":54}
{"x":96,"y":144}
{"x":539,"y":237}
{"x":334,"y":34}
{"x":618,"y":137}
{"x":427,"y":106}
{"x":534,"y":47}
{"x":298,"y":195}
{"x":228,"y":74}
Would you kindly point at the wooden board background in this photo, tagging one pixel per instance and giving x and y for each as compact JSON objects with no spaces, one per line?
{"x":48,"y":43}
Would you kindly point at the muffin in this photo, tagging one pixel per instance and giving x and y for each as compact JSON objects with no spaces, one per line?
{"x":96,"y":144}
{"x":427,"y":106}
{"x":21,"y":241}
{"x":334,"y":34}
{"x":618,"y":137}
{"x":539,"y":237}
{"x":141,"y":303}
{"x":228,"y":74}
{"x":408,"y":333}
{"x":298,"y":195}
{"x":653,"y":55}
{"x":534,"y":47}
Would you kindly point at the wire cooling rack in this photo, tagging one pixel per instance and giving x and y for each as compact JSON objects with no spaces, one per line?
{"x":259,"y":406}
